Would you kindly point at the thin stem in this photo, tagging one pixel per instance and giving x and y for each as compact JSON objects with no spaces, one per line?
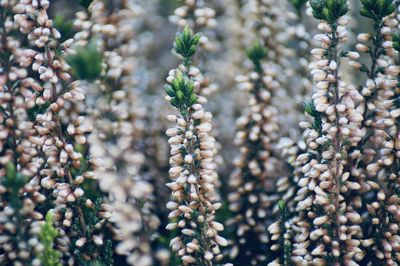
{"x":338,"y":136}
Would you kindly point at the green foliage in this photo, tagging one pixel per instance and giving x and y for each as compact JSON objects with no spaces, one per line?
{"x":86,"y":63}
{"x":329,"y":10}
{"x":37,"y":109}
{"x":309,"y":108}
{"x":377,"y":9}
{"x":256,"y":54}
{"x":396,"y":42}
{"x":104,"y":253}
{"x":397,"y":102}
{"x":282,"y":206}
{"x":65,"y":27}
{"x":14,"y":181}
{"x":298,"y":4}
{"x":181,"y":91}
{"x":186,"y":43}
{"x":85,"y":3}
{"x":48,"y":233}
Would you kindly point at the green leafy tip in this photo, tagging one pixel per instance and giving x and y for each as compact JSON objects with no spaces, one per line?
{"x":257,"y":53}
{"x":86,"y":63}
{"x":14,"y":180}
{"x":282,"y":206}
{"x":377,"y":9}
{"x":181,"y":91}
{"x":329,"y":10}
{"x":396,"y":41}
{"x":309,"y":108}
{"x":298,"y":4}
{"x":48,"y":233}
{"x":186,"y":43}
{"x":65,"y":27}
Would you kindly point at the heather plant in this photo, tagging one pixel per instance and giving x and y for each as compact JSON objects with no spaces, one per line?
{"x":57,"y":131}
{"x":252,"y":198}
{"x":192,"y":170}
{"x":20,"y":194}
{"x":117,"y":139}
{"x":324,"y":220}
{"x":308,"y":174}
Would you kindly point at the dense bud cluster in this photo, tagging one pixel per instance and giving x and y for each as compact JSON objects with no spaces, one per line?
{"x":192,"y":169}
{"x":257,"y":166}
{"x":90,"y":174}
{"x":60,"y":167}
{"x":116,"y":141}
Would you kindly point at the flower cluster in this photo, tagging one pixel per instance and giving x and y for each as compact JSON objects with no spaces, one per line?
{"x":342,"y":214}
{"x":192,"y":171}
{"x":57,"y":130}
{"x":117,"y":116}
{"x":327,"y":228}
{"x":20,"y":195}
{"x":257,"y":167}
{"x":309,"y":175}
{"x":375,"y":171}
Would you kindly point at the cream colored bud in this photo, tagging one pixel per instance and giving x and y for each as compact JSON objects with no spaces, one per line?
{"x":80,"y":242}
{"x":221,"y":241}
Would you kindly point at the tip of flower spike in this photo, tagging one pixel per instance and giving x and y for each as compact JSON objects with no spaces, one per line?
{"x":257,"y":53}
{"x":377,"y":10}
{"x":298,"y":4}
{"x":329,"y":10}
{"x":186,"y":43}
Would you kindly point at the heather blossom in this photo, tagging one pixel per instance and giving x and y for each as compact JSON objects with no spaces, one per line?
{"x":192,"y":171}
{"x":89,"y":174}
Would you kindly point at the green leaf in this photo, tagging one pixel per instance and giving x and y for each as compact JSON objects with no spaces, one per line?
{"x":37,"y":109}
{"x":86,"y":63}
{"x":396,"y":41}
{"x":366,"y":13}
{"x":257,"y":53}
{"x":330,"y":4}
{"x":317,"y":4}
{"x":14,"y":180}
{"x":298,"y":4}
{"x":169,"y":91}
{"x":281,"y":205}
{"x":179,"y":96}
{"x":192,"y":100}
{"x":377,"y":9}
{"x":47,"y":235}
{"x":186,"y":43}
{"x":65,"y":27}
{"x":309,"y":108}
{"x":329,"y":10}
{"x":175,"y":103}
{"x":11,"y":171}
